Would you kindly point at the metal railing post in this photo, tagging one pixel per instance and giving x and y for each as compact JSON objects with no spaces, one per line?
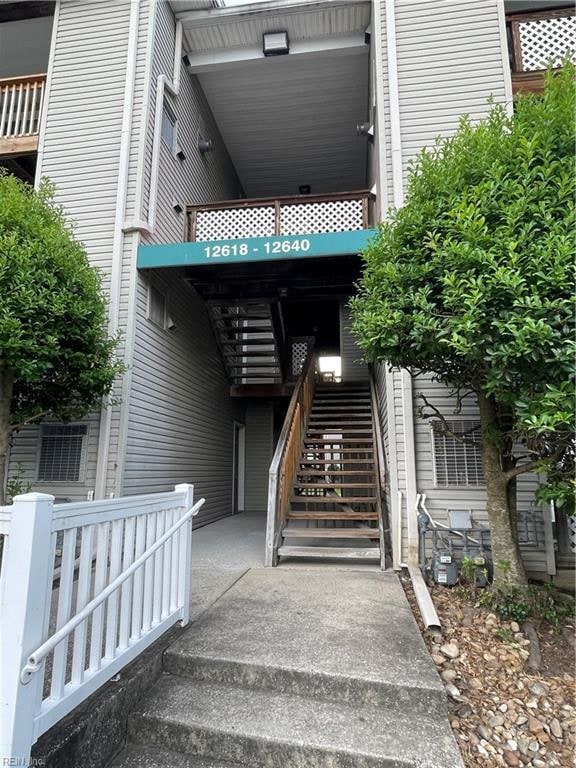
{"x":25,"y":609}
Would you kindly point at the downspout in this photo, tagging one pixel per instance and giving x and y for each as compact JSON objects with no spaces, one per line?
{"x":398,"y":197}
{"x":505,"y":61}
{"x":130,"y":334}
{"x":47,"y":88}
{"x":382,"y":197}
{"x":163,"y":84}
{"x":118,"y":242}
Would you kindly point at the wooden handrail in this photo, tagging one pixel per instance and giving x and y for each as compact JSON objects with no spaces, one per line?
{"x":380,"y":465}
{"x":287,"y":454}
{"x":259,"y":202}
{"x":22,"y":80}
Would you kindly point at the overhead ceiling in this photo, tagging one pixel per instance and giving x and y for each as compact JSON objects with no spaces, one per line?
{"x":287,"y":121}
{"x":290,"y":121}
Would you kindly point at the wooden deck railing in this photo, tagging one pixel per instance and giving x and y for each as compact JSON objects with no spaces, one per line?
{"x":269,"y":217}
{"x":537,"y":40}
{"x":21,"y":100}
{"x":287,"y":456}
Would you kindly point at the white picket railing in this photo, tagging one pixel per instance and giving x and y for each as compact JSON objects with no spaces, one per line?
{"x":21,"y":105}
{"x":129,"y":584}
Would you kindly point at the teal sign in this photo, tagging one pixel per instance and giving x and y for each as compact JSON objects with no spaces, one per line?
{"x":253,"y":249}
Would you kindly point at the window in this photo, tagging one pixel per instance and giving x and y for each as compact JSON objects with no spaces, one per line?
{"x":168,"y":131}
{"x":62,"y":453}
{"x":156,"y":306}
{"x":457,"y":463}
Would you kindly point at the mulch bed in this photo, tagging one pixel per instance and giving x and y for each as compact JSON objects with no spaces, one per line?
{"x":501,"y":712}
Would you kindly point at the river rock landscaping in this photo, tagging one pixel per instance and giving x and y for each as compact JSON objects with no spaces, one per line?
{"x":510,"y":704}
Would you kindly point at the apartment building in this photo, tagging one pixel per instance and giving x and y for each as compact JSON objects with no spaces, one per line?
{"x":224,"y":165}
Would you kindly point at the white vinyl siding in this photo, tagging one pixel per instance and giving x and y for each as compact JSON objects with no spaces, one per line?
{"x":354,"y":367}
{"x":180,"y":417}
{"x":450,"y":63}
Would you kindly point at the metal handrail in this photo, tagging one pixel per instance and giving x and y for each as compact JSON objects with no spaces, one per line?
{"x":35,"y":658}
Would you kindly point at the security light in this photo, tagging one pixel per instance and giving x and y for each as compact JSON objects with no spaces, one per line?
{"x":204,"y":145}
{"x":304,"y":189}
{"x":365,"y":129}
{"x":275,"y":43}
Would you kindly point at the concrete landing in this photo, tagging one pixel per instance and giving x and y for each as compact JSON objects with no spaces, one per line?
{"x":349,"y":635}
{"x":297,"y":669}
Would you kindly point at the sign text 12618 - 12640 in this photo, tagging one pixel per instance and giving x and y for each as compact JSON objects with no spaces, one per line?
{"x":268,"y":247}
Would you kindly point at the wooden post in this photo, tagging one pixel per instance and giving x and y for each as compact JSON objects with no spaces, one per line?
{"x":26,"y":590}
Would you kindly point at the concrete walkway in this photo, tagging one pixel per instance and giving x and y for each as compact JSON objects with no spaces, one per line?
{"x":291,"y":668}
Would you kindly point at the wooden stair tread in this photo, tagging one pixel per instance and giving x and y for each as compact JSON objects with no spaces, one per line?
{"x":301,"y":514}
{"x":331,"y":533}
{"x":359,"y":441}
{"x":324,"y":472}
{"x":333,"y":499}
{"x":322,"y":421}
{"x":339,"y":451}
{"x":344,"y":430}
{"x":334,"y":485}
{"x":331,"y":553}
{"x":247,"y":342}
{"x":312,"y":462}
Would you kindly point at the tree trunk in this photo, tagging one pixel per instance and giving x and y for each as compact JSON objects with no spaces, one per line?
{"x":6,"y":388}
{"x":508,"y":565}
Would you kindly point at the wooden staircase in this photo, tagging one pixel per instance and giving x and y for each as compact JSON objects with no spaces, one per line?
{"x":248,"y":337}
{"x":334,"y":508}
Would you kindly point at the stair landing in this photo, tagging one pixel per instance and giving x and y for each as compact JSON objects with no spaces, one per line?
{"x":291,"y":668}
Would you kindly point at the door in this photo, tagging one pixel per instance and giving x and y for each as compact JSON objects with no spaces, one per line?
{"x":238,"y":468}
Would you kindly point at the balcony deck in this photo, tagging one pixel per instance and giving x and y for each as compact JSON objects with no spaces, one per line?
{"x":21,"y":100}
{"x":537,"y":40}
{"x":306,"y":226}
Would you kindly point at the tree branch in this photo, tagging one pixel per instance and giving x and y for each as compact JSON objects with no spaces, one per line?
{"x":460,"y":437}
{"x":29,"y":420}
{"x":529,"y":466}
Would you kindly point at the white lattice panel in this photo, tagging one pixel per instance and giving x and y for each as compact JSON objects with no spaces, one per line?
{"x":545,"y":41}
{"x":299,"y":355}
{"x":572,"y":533}
{"x":235,"y":223}
{"x":314,"y":218}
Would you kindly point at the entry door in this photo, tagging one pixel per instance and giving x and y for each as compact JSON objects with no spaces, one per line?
{"x":239,"y":468}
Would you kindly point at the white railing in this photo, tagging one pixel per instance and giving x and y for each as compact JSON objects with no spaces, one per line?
{"x":302,"y":215}
{"x":129,"y":584}
{"x":21,"y":106}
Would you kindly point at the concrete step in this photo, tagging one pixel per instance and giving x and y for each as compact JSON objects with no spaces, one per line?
{"x":279,"y":730}
{"x":149,"y":757}
{"x":341,"y":636}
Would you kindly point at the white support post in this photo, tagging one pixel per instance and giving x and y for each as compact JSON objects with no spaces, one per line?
{"x":25,"y":608}
{"x":185,"y":554}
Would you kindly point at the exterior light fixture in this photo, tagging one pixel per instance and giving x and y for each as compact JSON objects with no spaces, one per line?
{"x":275,"y":43}
{"x":204,"y":145}
{"x":365,"y":129}
{"x":304,"y":189}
